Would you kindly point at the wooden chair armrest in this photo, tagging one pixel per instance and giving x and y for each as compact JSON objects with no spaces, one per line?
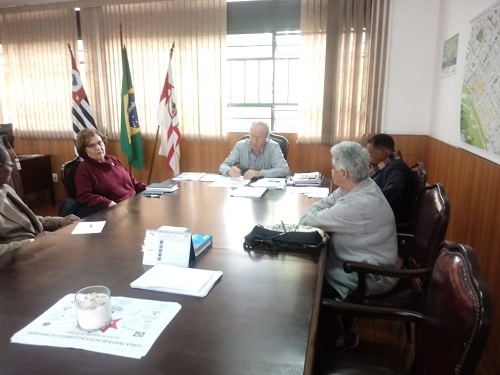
{"x":365,"y":268}
{"x":405,"y":245}
{"x":405,"y":227}
{"x":354,"y":309}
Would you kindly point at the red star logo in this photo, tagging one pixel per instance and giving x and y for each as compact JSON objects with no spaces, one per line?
{"x":111,"y":325}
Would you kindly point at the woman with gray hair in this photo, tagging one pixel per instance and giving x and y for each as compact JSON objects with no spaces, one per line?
{"x":362,"y":225}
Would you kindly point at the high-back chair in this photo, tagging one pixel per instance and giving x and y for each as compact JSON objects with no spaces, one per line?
{"x":279,"y":139}
{"x":417,"y":251}
{"x":453,"y":325}
{"x":68,"y":176}
{"x":419,"y":183}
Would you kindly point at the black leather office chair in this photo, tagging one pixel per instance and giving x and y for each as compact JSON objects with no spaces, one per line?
{"x":453,"y":325}
{"x":68,"y":176}
{"x":70,"y":205}
{"x":279,"y":139}
{"x":419,"y":183}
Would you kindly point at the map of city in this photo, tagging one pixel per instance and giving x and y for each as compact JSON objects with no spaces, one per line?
{"x":480,"y":101}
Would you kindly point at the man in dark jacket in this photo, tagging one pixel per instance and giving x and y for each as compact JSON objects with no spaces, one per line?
{"x":391,"y":174}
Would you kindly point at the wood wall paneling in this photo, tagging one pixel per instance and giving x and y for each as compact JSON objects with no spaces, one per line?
{"x":472,"y":186}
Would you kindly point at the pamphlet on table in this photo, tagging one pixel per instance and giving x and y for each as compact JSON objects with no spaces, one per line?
{"x":135,"y":326}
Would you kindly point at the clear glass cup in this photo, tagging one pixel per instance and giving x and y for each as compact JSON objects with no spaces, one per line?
{"x":93,"y":308}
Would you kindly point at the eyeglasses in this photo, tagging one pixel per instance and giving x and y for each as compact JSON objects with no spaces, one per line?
{"x":95,"y":145}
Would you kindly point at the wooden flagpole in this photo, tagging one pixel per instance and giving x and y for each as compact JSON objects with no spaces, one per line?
{"x":158,"y":128}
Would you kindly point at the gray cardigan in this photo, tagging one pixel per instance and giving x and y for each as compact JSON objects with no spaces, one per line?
{"x":363,"y":229}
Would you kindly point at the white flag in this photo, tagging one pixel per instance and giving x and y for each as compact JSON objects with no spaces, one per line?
{"x":169,"y":122}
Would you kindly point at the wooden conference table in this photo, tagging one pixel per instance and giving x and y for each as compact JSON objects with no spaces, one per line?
{"x":260,"y":317}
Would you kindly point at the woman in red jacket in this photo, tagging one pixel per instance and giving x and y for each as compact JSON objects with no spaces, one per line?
{"x":101,"y":180}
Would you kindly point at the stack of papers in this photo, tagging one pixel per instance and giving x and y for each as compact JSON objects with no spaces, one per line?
{"x":307,"y":179}
{"x":248,"y":192}
{"x":161,"y":187}
{"x":177,"y":280}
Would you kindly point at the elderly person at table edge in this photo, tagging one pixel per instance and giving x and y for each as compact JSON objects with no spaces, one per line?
{"x":18,"y":224}
{"x":257,"y":156}
{"x":101,"y":180}
{"x":361,"y":222}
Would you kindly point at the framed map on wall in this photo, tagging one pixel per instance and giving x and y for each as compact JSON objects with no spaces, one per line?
{"x":480,"y":100}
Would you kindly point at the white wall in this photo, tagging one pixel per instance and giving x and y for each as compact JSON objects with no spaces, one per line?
{"x":418,"y":99}
{"x":409,"y":85}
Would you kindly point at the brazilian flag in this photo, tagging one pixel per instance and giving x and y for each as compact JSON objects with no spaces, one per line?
{"x":130,"y":136}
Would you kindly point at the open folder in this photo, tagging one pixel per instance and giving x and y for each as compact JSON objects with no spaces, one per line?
{"x":178,"y":280}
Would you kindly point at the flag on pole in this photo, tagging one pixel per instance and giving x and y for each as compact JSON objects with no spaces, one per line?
{"x":130,"y":136}
{"x":169,"y":122}
{"x":82,"y":114}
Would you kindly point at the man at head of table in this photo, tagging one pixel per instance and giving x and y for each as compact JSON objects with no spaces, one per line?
{"x":256,"y":156}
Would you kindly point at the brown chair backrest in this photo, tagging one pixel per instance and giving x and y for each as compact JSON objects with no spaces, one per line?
{"x":457,"y":315}
{"x":430,"y":225}
{"x":419,"y":183}
{"x":279,"y":139}
{"x":68,"y":176}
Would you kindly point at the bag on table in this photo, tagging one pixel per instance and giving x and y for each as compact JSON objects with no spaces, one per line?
{"x":285,"y":237}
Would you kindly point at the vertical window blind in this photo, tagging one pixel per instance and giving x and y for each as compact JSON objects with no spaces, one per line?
{"x":343,"y":57}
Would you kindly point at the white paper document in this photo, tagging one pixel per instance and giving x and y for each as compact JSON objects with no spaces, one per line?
{"x":229,"y":182}
{"x":189,"y":176}
{"x":211,"y":177}
{"x":88,"y":227}
{"x":318,"y":192}
{"x":270,"y":183}
{"x":177,"y":280}
{"x":248,"y":192}
{"x":309,"y":191}
{"x":135,"y":326}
